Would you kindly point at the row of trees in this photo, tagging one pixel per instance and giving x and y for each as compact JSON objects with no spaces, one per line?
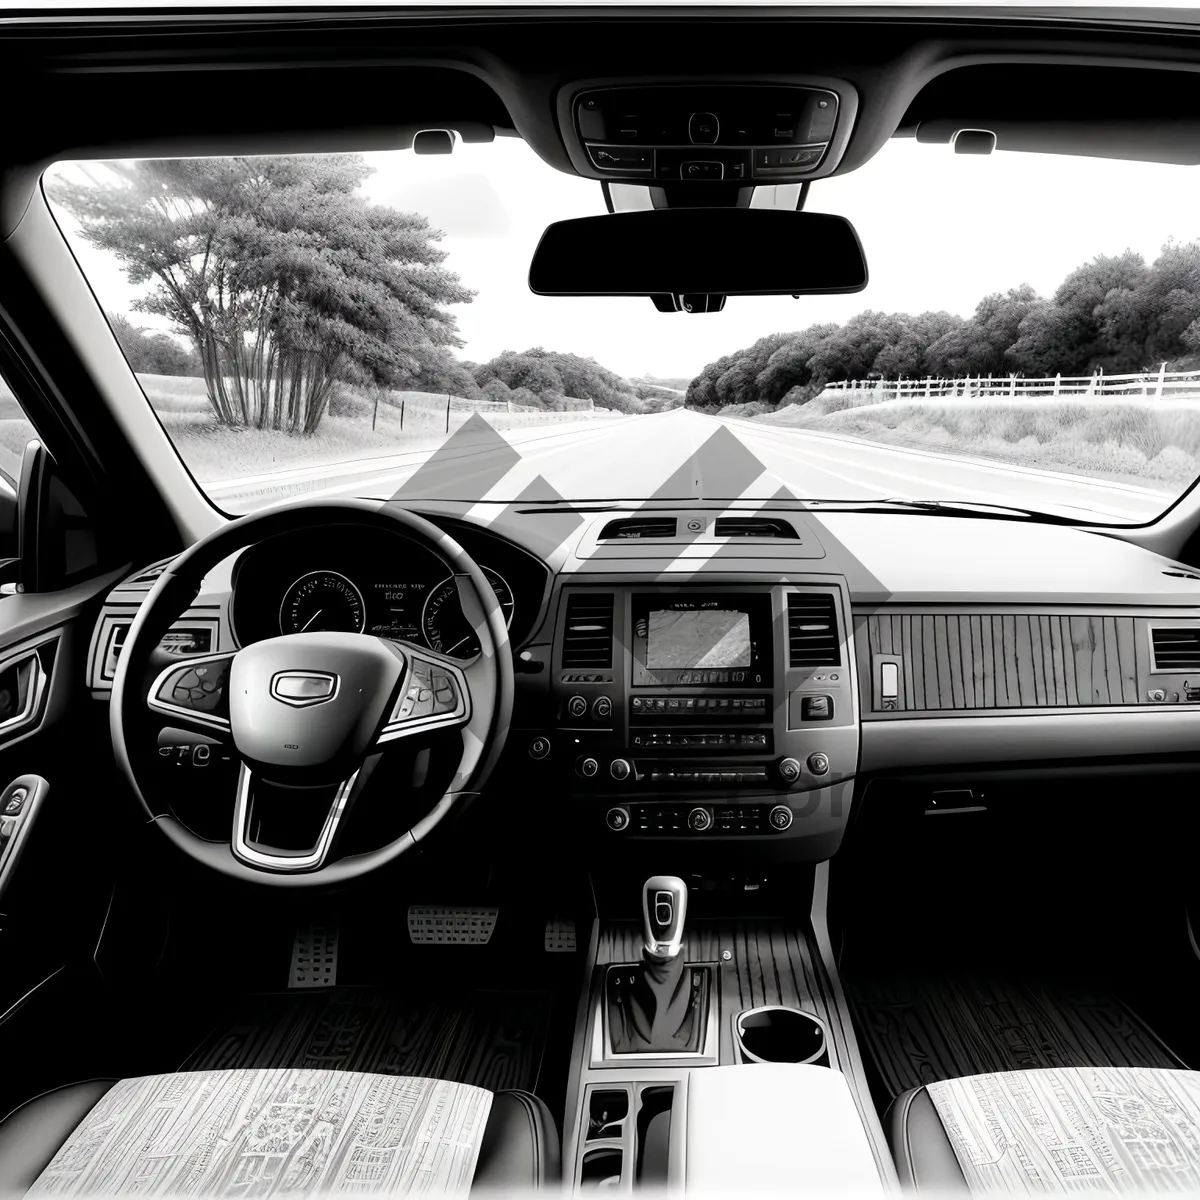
{"x":1116,"y":313}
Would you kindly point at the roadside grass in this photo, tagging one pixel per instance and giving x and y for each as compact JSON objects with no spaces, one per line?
{"x":403,"y":421}
{"x":1154,"y":447}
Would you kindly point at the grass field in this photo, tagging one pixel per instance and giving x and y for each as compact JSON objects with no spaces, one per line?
{"x":1131,"y":441}
{"x":403,"y":421}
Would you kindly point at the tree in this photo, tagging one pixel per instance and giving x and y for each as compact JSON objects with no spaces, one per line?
{"x":282,"y":275}
{"x":151,"y":353}
{"x":555,"y":374}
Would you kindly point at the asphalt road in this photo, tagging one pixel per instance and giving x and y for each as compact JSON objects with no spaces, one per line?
{"x":683,"y":454}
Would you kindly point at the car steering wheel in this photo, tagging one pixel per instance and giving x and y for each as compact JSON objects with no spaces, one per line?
{"x":309,"y":714}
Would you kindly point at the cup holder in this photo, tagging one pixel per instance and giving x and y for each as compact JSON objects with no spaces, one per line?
{"x":775,"y":1034}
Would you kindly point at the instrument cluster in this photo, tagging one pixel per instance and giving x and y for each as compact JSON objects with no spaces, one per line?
{"x":355,"y":579}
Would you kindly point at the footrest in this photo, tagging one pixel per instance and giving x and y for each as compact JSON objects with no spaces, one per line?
{"x":446,"y":925}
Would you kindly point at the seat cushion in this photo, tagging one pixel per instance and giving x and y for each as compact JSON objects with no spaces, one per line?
{"x":213,"y":1133}
{"x":1062,"y":1129}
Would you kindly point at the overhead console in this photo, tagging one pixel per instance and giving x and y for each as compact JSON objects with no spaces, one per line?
{"x":744,"y":134}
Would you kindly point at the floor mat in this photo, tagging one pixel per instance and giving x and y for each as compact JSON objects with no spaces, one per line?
{"x":491,"y":1039}
{"x":920,"y":1026}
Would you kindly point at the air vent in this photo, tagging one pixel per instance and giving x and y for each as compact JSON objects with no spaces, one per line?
{"x":812,"y":630}
{"x":146,"y":579}
{"x":754,"y":527}
{"x":639,"y":527}
{"x":1176,"y":647}
{"x":588,"y":636}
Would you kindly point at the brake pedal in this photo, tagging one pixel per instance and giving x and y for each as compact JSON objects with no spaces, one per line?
{"x":560,"y":935}
{"x":314,"y":957}
{"x":450,"y":925}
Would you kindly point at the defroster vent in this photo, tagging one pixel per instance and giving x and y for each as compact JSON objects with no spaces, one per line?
{"x":639,"y":527}
{"x":1176,"y":647}
{"x":754,"y":527}
{"x":812,"y":630}
{"x":588,"y":636}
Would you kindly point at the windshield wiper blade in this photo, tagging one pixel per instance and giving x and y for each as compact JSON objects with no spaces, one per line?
{"x":960,"y":508}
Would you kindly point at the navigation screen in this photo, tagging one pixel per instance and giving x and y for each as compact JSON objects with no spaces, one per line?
{"x":677,"y":639}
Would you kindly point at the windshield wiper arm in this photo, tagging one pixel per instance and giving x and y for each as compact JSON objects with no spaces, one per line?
{"x":960,"y":508}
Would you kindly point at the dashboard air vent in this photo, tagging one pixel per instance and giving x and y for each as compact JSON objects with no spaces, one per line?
{"x":812,"y":630}
{"x":1176,"y":647}
{"x":588,"y":636}
{"x":755,"y":527}
{"x":639,"y":527}
{"x":146,"y":579}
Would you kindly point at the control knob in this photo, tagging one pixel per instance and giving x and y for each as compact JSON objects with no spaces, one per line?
{"x":617,"y":819}
{"x":576,"y":706}
{"x":619,"y":768}
{"x":588,"y":767}
{"x":789,"y":770}
{"x":818,"y":763}
{"x":700,"y":819}
{"x":780,"y":817}
{"x":539,"y":747}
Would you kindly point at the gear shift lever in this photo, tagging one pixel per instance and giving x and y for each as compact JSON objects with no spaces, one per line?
{"x":659,"y":1006}
{"x":664,"y":910}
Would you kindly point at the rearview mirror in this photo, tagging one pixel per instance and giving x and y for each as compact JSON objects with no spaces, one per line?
{"x":730,"y":251}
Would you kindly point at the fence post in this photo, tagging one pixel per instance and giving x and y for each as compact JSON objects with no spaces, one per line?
{"x":1162,"y":371}
{"x":447,"y":414}
{"x":1057,"y":383}
{"x":375,"y":411}
{"x":928,"y":385}
{"x":1012,"y":386}
{"x":401,"y":414}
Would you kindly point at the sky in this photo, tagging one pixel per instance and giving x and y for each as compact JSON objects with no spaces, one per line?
{"x":939,"y":230}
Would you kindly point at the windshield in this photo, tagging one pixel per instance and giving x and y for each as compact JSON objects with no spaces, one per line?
{"x":361,"y":324}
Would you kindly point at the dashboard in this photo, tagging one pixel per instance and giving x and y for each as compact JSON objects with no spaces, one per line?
{"x":738,"y":679}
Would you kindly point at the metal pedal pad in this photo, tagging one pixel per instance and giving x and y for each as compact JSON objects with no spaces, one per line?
{"x":449,"y":925}
{"x":560,"y":935}
{"x":314,"y":957}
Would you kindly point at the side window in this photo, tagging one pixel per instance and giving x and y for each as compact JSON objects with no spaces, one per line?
{"x":15,"y":434}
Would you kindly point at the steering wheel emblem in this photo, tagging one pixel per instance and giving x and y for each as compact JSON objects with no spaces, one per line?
{"x":302,"y":689}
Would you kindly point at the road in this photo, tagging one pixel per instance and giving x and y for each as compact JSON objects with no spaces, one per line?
{"x":681,"y":455}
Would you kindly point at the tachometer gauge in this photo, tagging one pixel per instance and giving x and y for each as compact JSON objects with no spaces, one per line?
{"x":322,"y":601}
{"x":443,"y":625}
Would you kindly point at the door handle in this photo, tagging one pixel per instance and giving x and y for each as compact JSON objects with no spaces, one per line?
{"x":20,"y":803}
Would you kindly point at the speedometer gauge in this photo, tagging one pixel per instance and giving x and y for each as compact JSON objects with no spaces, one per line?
{"x":322,"y":601}
{"x":443,"y":625}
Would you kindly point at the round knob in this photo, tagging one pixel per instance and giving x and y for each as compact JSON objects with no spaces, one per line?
{"x":780,"y":817}
{"x":602,"y":708}
{"x":539,"y":747}
{"x":818,"y":763}
{"x":617,"y":819}
{"x":789,"y":770}
{"x":576,"y":706}
{"x":588,"y":767}
{"x":700,"y":819}
{"x":619,"y":768}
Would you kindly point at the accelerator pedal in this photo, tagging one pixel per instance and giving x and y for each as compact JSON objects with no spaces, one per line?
{"x":451,"y":925}
{"x":314,"y":957}
{"x":560,"y":935}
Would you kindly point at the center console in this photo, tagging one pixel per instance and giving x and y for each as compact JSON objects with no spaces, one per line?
{"x":704,"y":712}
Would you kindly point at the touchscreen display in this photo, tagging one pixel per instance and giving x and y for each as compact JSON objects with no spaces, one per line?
{"x":677,"y":639}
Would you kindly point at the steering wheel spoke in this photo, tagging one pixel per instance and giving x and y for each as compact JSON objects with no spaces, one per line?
{"x":194,"y":694}
{"x":435,"y":694}
{"x":251,"y":821}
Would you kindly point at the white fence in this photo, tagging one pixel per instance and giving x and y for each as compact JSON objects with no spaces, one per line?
{"x":1160,"y":384}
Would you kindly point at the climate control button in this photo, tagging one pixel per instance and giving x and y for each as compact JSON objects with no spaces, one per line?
{"x":789,"y":770}
{"x":577,"y":706}
{"x":700,"y":819}
{"x":818,"y":763}
{"x":619,"y":768}
{"x":588,"y":767}
{"x":539,"y":747}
